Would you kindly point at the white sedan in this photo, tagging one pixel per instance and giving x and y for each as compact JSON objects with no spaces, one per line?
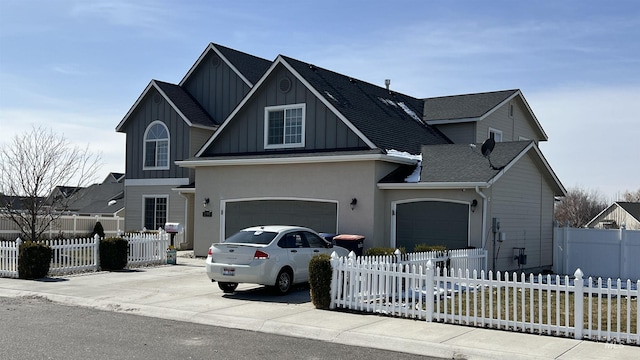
{"x":276,"y":256}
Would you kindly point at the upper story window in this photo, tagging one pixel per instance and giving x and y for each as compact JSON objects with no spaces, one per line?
{"x":495,"y":134}
{"x":156,"y":147}
{"x":284,"y":126}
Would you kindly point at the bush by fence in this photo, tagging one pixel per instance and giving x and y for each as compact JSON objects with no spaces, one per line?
{"x":81,"y":255}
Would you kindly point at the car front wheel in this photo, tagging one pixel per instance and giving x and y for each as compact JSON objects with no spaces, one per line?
{"x":283,"y":282}
{"x":227,"y":287}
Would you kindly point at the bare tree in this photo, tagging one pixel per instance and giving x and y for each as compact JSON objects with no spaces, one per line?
{"x":632,"y":196}
{"x":31,"y":167}
{"x":579,"y":207}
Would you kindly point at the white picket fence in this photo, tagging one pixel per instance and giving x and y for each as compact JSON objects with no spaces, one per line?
{"x":81,"y":255}
{"x":549,"y":305}
{"x":472,"y":259}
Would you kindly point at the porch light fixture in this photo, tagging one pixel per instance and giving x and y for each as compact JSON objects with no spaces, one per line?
{"x":353,"y":203}
{"x":474,"y":204}
{"x":205,"y":202}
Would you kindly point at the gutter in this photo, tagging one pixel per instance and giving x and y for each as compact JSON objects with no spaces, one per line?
{"x":484,"y":217}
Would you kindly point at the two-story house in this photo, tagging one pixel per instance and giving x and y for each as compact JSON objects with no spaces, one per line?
{"x":170,"y":122}
{"x":304,"y":145}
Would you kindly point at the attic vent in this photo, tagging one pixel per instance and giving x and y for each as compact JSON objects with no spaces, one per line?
{"x":157,"y":98}
{"x":285,"y":84}
{"x":215,"y":61}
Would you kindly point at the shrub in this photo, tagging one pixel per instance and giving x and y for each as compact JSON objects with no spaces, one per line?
{"x":34,"y":260}
{"x":98,"y":229}
{"x":320,"y":272}
{"x":427,"y":248}
{"x":382,"y":251}
{"x":113,"y":253}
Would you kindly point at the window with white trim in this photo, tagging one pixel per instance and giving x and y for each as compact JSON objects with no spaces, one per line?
{"x":155,"y":212}
{"x":156,"y":147}
{"x":284,"y":126}
{"x":495,"y":134}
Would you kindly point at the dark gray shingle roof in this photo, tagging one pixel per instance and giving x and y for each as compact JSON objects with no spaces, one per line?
{"x":633,"y":208}
{"x":95,"y":199}
{"x":186,"y":104}
{"x":251,"y":67}
{"x":463,"y":163}
{"x":390,"y":120}
{"x":463,"y":106}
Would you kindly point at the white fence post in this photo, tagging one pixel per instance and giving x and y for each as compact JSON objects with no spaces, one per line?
{"x":429,"y":292}
{"x":96,"y":251}
{"x":623,"y":252}
{"x":565,"y":244}
{"x":18,"y":242}
{"x":578,"y":309}
{"x":334,"y":279}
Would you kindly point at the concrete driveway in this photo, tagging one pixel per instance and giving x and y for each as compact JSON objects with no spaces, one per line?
{"x":183,"y":292}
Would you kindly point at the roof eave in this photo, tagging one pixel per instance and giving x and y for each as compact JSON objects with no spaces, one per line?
{"x":453,"y":121}
{"x":433,"y":185}
{"x":194,"y":163}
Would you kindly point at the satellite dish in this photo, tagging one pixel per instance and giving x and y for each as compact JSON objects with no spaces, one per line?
{"x":487,"y":147}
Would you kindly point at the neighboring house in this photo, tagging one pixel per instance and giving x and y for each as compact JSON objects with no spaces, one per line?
{"x":307,"y":146}
{"x":617,"y":214}
{"x":102,"y":199}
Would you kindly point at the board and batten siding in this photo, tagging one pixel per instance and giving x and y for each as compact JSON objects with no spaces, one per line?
{"x":245,"y":133}
{"x":216,"y":87}
{"x":134,"y":204}
{"x":522,"y":200}
{"x":155,"y":108}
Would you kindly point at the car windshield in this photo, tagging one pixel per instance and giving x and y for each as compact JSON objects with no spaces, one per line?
{"x":252,"y":237}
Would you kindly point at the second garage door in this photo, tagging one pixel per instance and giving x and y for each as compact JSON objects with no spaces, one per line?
{"x":317,"y":215}
{"x":432,"y":223}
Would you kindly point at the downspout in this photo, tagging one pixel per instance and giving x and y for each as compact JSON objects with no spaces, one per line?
{"x":484,"y":217}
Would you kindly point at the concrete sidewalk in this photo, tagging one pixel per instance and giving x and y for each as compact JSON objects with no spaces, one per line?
{"x":183,"y":292}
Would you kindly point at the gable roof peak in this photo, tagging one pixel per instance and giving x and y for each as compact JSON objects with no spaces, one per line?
{"x":248,"y":67}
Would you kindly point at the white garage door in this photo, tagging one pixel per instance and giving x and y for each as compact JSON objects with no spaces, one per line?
{"x":316,"y":215}
{"x":432,"y":223}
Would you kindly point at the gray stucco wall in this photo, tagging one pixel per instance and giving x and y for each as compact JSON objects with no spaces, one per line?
{"x":322,"y":181}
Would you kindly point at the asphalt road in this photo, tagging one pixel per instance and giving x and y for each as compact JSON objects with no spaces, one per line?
{"x":36,"y":328}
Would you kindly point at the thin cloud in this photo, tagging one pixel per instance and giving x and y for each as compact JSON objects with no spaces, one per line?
{"x":142,"y":14}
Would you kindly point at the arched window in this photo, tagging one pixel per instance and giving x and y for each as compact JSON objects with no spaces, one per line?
{"x":156,"y":146}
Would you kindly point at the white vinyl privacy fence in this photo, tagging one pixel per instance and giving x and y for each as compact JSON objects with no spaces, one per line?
{"x":71,"y":226}
{"x":608,"y":253}
{"x":574,"y":307}
{"x":81,"y":255}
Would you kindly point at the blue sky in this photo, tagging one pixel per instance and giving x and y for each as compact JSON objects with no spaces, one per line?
{"x":78,"y":66}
